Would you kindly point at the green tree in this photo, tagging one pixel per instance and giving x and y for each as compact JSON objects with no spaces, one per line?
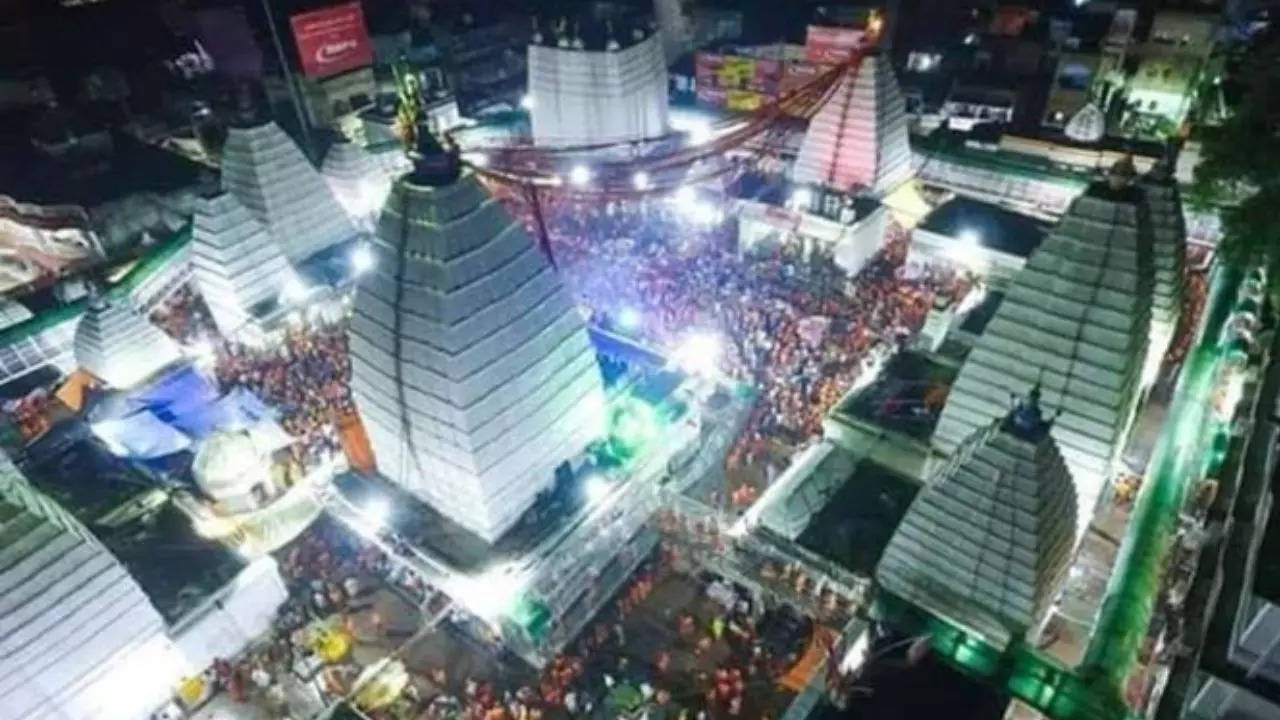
{"x":1239,"y":170}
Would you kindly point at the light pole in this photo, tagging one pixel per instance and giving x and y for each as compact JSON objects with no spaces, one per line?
{"x":288,"y":81}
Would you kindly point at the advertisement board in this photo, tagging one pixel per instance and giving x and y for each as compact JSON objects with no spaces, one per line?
{"x":706,"y":67}
{"x":831,"y":44}
{"x":743,"y":100}
{"x":768,"y":76}
{"x":332,"y":40}
{"x":736,"y":73}
{"x":713,"y":96}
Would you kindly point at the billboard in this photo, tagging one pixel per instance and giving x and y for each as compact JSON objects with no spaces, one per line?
{"x":831,"y":44}
{"x":744,"y":100}
{"x":332,"y":40}
{"x":738,"y":72}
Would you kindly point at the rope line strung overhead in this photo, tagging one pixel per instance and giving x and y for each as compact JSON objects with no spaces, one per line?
{"x":650,"y":166}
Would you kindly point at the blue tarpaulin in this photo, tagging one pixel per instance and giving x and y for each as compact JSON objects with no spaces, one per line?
{"x":175,"y":413}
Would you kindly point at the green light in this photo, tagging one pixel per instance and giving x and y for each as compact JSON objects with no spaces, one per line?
{"x":633,"y":426}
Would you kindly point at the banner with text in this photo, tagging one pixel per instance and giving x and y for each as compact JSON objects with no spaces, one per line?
{"x":332,"y":40}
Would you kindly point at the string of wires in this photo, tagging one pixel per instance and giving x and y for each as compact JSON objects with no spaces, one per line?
{"x":651,"y":166}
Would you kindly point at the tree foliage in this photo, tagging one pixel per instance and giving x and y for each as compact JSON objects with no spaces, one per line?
{"x":1240,"y":165}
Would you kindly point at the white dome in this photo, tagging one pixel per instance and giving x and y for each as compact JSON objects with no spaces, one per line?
{"x":229,"y":465}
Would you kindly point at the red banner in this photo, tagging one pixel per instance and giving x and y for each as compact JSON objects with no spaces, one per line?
{"x":332,"y":40}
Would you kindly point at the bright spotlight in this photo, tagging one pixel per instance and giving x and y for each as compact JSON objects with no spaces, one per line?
{"x":640,"y":180}
{"x":699,"y":133}
{"x":377,"y":511}
{"x":802,"y":198}
{"x":489,"y":595}
{"x":629,"y":319}
{"x":579,"y":176}
{"x":699,"y":354}
{"x":478,"y":159}
{"x":685,"y":197}
{"x":527,"y":102}
{"x":202,"y":351}
{"x":970,"y":237}
{"x":362,"y":259}
{"x":596,"y":489}
{"x":293,"y":289}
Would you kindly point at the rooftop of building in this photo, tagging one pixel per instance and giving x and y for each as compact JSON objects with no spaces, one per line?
{"x":857,"y":521}
{"x":123,"y":505}
{"x":595,"y":27}
{"x":996,"y":228}
{"x":907,"y":397}
{"x":127,"y":167}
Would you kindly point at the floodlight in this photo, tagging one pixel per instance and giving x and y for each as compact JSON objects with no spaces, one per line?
{"x":685,"y":197}
{"x":377,"y":511}
{"x":580,"y":175}
{"x":478,"y":159}
{"x":596,"y":488}
{"x":489,"y":595}
{"x":641,"y":180}
{"x":699,"y":354}
{"x":362,"y":259}
{"x":699,"y":132}
{"x":202,"y":350}
{"x":629,"y":319}
{"x":293,"y":289}
{"x":527,"y":102}
{"x":802,"y":198}
{"x":970,"y":237}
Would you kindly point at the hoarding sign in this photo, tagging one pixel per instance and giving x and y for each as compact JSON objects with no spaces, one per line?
{"x":743,"y":100}
{"x":706,"y":66}
{"x":713,"y":96}
{"x":736,"y":73}
{"x":768,"y":76}
{"x":332,"y":40}
{"x":831,"y":44}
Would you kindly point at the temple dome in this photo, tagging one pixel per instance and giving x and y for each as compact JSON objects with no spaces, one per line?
{"x":229,"y":465}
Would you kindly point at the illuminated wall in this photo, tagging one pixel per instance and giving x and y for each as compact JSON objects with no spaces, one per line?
{"x":269,"y":175}
{"x":858,"y":138}
{"x":119,"y":346}
{"x":987,"y":543}
{"x":584,"y":97}
{"x":235,"y":262}
{"x":470,"y":364}
{"x":80,"y":639}
{"x":1076,"y":320}
{"x":357,"y":181}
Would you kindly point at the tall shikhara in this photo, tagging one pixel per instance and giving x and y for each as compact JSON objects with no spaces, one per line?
{"x":271,"y":177}
{"x":1076,"y":320}
{"x":987,"y":544}
{"x":234,"y":261}
{"x":117,"y":345}
{"x":470,"y":364}
{"x":858,"y":138}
